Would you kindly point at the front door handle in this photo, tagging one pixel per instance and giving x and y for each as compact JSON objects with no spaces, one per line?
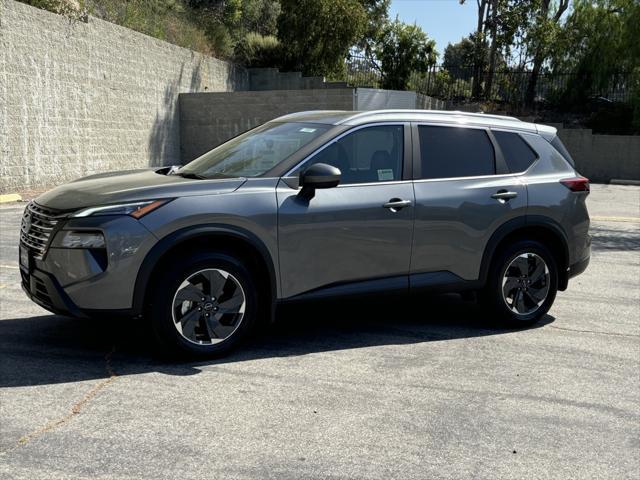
{"x":396,"y":204}
{"x":504,"y":195}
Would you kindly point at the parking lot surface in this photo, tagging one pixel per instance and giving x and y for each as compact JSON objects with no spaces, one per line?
{"x":383,"y":388}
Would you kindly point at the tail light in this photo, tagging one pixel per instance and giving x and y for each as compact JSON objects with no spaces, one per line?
{"x":576,"y":184}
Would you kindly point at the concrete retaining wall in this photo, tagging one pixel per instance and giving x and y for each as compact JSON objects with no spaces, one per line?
{"x":603,"y":157}
{"x":209,"y":119}
{"x":78,"y":98}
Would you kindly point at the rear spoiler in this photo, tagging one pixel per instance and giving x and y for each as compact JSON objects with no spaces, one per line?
{"x":550,"y":134}
{"x":547,"y":132}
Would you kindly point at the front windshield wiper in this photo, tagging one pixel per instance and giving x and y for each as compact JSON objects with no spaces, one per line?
{"x":190,"y":175}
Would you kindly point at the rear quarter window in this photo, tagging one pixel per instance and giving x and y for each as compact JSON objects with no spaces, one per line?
{"x":518,"y":155}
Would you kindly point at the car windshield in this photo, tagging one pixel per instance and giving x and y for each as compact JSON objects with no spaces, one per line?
{"x":255,"y":152}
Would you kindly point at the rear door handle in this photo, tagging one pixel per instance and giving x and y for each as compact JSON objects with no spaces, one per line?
{"x":396,"y":204}
{"x":504,"y":195}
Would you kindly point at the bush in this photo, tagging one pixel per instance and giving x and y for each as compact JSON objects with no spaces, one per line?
{"x":68,"y":8}
{"x":256,"y":50}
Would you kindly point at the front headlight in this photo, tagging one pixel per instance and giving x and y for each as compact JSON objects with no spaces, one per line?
{"x":82,"y":240}
{"x":134,"y":209}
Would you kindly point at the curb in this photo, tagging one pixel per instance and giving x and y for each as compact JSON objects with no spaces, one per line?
{"x":618,"y":181}
{"x":10,"y":197}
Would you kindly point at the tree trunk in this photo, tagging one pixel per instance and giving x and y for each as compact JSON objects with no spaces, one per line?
{"x":493,"y":51}
{"x":530,"y":94}
{"x":541,"y":53}
{"x":478,"y":61}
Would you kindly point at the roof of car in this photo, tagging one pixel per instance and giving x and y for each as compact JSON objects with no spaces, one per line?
{"x":344,"y":117}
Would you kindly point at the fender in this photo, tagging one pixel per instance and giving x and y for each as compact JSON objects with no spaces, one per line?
{"x":190,"y":233}
{"x":516,"y":224}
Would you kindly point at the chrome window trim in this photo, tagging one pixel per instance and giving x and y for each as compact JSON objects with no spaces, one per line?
{"x":348,"y":132}
{"x":475,"y":177}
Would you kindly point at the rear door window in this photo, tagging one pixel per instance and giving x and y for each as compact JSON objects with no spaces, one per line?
{"x":451,"y":152}
{"x":517,"y":153}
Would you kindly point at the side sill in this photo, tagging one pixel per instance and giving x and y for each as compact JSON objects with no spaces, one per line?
{"x":366,"y":287}
{"x":441,"y":282}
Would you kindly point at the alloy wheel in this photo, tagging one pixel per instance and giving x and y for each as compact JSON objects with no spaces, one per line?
{"x":525,"y":284}
{"x":208,"y":306}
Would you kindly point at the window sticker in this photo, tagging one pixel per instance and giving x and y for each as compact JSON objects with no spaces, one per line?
{"x":385,"y":174}
{"x":307,"y":130}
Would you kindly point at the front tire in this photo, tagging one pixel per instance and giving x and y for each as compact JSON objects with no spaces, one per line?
{"x":203,"y":305}
{"x":522,"y":284}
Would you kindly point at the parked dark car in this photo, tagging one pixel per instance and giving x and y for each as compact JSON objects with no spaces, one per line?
{"x":311,"y":205}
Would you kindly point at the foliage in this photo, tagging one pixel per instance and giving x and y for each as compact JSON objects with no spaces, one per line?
{"x":256,"y":50}
{"x":402,"y":49}
{"x":458,"y":57}
{"x":599,"y":39}
{"x":74,"y":10}
{"x":316,"y":34}
{"x":377,"y":17}
{"x":169,"y":20}
{"x":226,"y":23}
{"x":440,"y":85}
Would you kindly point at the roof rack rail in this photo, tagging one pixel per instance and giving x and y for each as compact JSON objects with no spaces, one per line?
{"x":432,"y":112}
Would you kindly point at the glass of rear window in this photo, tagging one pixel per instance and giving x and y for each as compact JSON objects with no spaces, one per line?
{"x":517,"y":153}
{"x":453,"y":152}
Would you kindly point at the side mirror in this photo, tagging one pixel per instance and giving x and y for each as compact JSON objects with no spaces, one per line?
{"x":318,"y":175}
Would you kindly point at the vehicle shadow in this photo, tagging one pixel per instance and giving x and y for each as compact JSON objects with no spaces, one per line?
{"x":53,"y":349}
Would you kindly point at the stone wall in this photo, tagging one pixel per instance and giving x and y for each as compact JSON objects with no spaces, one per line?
{"x":79,"y":98}
{"x":208,"y":119}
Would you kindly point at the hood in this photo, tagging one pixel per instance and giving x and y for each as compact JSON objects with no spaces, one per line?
{"x":131,"y":186}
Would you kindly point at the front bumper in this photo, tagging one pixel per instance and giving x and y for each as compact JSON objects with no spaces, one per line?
{"x":76,"y":281}
{"x":42,"y":288}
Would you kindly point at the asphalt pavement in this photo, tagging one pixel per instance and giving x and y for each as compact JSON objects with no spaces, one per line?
{"x":389,"y":388}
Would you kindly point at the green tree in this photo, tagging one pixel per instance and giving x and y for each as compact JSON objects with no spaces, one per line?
{"x":228,"y":22}
{"x":599,"y":41}
{"x":260,"y":16}
{"x":377,"y":12}
{"x":402,"y":49}
{"x":541,"y":37}
{"x":316,"y":34}
{"x":458,"y":57}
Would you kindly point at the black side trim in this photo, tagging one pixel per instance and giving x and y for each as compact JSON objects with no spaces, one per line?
{"x":190,"y":233}
{"x":362,"y":287}
{"x":441,"y":281}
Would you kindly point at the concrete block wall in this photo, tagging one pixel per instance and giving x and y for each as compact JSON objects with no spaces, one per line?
{"x":209,"y":119}
{"x":79,"y":98}
{"x":602,"y":158}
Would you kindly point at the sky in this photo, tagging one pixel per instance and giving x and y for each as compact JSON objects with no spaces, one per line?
{"x":445,"y":21}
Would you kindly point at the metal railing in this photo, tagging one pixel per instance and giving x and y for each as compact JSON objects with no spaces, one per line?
{"x":508,"y":86}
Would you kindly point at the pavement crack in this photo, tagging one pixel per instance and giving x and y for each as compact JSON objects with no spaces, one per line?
{"x":76,"y":408}
{"x":595,"y":332}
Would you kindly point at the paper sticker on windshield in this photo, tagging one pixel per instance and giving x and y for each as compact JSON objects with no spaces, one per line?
{"x":307,"y":130}
{"x":385,"y":174}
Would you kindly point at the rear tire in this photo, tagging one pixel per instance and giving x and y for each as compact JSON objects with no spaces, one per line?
{"x":521,"y":285}
{"x":202,"y":305}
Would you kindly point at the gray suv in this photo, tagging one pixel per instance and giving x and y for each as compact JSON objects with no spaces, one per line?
{"x":313,"y":205}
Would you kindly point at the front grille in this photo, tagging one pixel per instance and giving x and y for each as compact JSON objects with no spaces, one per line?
{"x":37,"y":225}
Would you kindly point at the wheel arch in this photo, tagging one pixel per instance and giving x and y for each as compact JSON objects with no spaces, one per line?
{"x":213,"y":237}
{"x":530,"y":227}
